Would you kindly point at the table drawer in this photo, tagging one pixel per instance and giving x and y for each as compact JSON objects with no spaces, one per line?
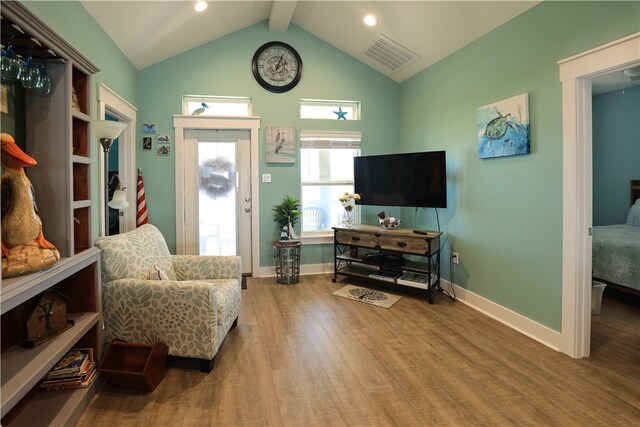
{"x":348,"y":237}
{"x":418,"y":246}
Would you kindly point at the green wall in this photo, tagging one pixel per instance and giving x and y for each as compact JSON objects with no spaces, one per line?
{"x":505,"y":214}
{"x":74,"y":24}
{"x":223,"y":68}
{"x":616,"y":153}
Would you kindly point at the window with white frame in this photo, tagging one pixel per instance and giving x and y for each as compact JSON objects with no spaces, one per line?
{"x":216,"y":106}
{"x":329,"y":110}
{"x":326,"y":172}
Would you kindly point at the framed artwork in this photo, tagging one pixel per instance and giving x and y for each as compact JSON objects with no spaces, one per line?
{"x":146,"y":143}
{"x":149,"y":128}
{"x":503,"y":128}
{"x":164,"y":150}
{"x":163,"y":138}
{"x":281,"y":144}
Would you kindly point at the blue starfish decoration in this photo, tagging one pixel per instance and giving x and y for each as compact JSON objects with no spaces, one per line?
{"x":341,"y":114}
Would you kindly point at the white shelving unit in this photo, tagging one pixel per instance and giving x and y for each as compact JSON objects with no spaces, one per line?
{"x":59,"y":138}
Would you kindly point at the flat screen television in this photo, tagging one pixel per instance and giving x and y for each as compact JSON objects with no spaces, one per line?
{"x":406,"y":179}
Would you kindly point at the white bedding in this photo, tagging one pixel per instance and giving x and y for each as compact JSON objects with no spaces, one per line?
{"x":616,"y":254}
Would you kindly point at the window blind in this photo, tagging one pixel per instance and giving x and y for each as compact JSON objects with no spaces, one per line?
{"x":322,"y":139}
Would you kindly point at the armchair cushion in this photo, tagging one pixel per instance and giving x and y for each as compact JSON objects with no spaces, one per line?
{"x":196,"y":267}
{"x":180,"y":314}
{"x":130,"y":255}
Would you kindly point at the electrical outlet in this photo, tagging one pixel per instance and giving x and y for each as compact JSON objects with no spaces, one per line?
{"x":455,"y":258}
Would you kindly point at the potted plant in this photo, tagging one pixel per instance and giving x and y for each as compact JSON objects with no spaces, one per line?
{"x":287,"y":213}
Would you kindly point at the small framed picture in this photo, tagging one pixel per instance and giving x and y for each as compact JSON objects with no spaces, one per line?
{"x":163,"y":150}
{"x":149,"y":128}
{"x":281,"y":144}
{"x":146,"y":143}
{"x":163,"y":138}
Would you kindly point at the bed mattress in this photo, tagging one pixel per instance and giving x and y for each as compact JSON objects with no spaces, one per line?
{"x":616,"y":254}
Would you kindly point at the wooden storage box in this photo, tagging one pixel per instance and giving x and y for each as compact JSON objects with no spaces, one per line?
{"x":134,"y":365}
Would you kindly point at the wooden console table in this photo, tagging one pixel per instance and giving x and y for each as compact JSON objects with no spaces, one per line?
{"x":376,"y":253}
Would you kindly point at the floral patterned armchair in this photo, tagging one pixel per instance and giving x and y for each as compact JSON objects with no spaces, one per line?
{"x":189,"y":302}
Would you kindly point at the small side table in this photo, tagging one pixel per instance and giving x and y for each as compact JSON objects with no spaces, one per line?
{"x":287,"y":262}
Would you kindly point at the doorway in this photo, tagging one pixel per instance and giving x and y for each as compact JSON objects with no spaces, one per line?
{"x":211,"y":131}
{"x":218,"y":193}
{"x":112,"y":106}
{"x":576,"y":75}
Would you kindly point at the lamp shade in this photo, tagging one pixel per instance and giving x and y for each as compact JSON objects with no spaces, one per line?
{"x":107,"y":129}
{"x":119,"y":200}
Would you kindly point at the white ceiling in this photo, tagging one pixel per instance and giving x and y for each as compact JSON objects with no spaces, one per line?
{"x":151,"y":31}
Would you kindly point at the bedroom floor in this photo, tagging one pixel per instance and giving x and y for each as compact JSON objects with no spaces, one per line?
{"x":303,"y":357}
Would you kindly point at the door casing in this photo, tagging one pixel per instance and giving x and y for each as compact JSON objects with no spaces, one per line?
{"x":252,"y":124}
{"x":243,"y":217}
{"x":113,"y":104}
{"x":576,"y":74}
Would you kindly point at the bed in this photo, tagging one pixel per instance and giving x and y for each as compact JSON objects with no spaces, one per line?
{"x":616,"y":249}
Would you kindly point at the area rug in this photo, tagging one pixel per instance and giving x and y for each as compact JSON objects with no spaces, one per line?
{"x":369,"y":296}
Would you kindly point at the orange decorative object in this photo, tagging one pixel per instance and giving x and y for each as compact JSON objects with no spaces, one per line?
{"x":24,"y":248}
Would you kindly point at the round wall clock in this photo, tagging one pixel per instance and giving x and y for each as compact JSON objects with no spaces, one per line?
{"x":277,"y":67}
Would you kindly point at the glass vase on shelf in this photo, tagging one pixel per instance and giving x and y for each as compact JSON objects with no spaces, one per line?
{"x":348,"y":203}
{"x":347,"y":216}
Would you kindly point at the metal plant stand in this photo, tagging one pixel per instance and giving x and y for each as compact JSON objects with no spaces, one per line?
{"x":287,"y":262}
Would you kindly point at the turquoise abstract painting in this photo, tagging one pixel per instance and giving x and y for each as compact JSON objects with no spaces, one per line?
{"x":503,"y":128}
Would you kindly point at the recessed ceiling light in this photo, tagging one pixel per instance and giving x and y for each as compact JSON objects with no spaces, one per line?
{"x":370,"y":20}
{"x":200,"y":6}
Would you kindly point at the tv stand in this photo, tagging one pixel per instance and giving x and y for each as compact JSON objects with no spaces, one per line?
{"x":376,"y":253}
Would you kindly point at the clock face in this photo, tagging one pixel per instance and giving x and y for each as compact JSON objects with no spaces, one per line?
{"x":277,"y":67}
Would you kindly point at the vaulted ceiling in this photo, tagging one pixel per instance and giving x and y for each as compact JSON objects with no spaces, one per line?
{"x":151,"y":31}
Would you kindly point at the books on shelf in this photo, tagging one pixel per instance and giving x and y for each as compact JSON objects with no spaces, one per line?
{"x":76,"y":369}
{"x":417,"y":280}
{"x":389,"y":276}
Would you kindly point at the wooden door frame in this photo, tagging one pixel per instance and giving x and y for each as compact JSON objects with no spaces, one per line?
{"x":109,"y":102}
{"x":576,"y":74}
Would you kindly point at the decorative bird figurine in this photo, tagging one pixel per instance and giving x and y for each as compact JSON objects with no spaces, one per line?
{"x":200,"y":110}
{"x":24,"y":248}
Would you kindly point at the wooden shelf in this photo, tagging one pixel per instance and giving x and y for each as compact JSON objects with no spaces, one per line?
{"x":17,"y":290}
{"x":59,"y":139}
{"x":81,"y":227}
{"x":56,"y":408}
{"x":80,"y":131}
{"x":382,"y":243}
{"x":22,"y":368}
{"x":408,"y":265}
{"x":80,"y":82}
{"x":80,"y":182}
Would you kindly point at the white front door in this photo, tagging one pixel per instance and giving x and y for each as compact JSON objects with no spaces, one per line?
{"x":217,"y":197}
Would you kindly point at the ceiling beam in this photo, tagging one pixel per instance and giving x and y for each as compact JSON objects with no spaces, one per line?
{"x":281,"y":14}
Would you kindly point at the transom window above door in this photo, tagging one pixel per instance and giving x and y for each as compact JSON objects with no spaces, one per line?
{"x":219,"y":106}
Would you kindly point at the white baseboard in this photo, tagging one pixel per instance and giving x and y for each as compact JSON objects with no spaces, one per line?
{"x":524,"y":325}
{"x":305,"y":270}
{"x":520,"y":323}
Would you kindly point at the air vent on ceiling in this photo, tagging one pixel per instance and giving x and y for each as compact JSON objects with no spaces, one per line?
{"x":392,"y":55}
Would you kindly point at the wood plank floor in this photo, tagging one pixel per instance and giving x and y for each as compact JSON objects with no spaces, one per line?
{"x":303,"y":357}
